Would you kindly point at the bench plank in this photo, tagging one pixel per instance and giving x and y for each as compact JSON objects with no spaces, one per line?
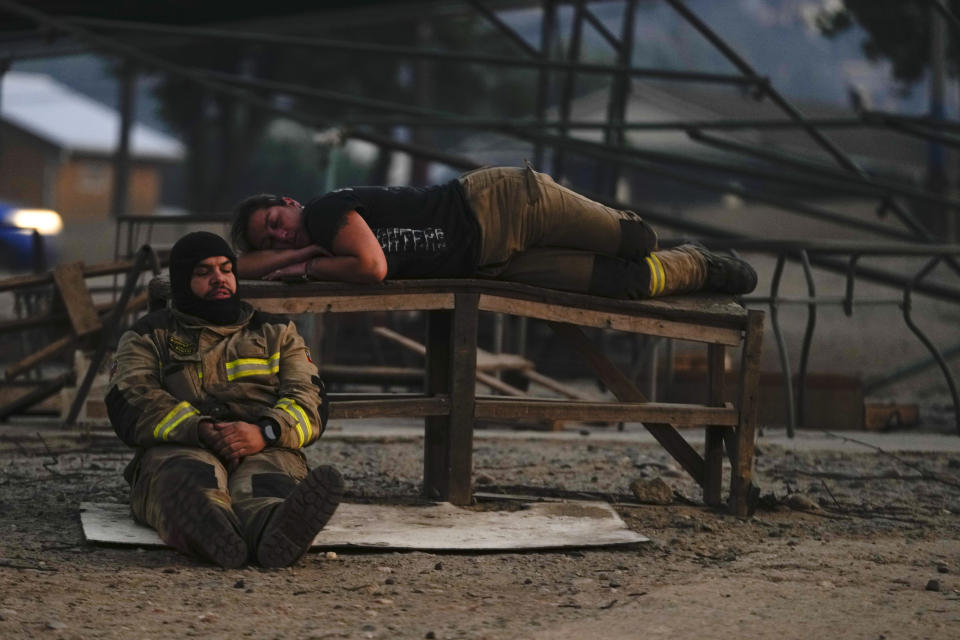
{"x":350,"y":303}
{"x":606,"y":320}
{"x":547,"y":408}
{"x":708,"y":309}
{"x":381,"y":407}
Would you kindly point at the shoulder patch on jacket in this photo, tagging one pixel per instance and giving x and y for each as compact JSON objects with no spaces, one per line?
{"x":181,"y":346}
{"x":153,"y":320}
{"x":260,"y":318}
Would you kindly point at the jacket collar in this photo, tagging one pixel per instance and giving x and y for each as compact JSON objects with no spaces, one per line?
{"x":193,"y":322}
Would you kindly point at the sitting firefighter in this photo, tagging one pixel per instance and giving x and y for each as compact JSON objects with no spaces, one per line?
{"x":218,"y":400}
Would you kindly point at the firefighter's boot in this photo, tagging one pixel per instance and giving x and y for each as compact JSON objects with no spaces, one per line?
{"x":201,"y":523}
{"x":296,"y":521}
{"x":690,"y":267}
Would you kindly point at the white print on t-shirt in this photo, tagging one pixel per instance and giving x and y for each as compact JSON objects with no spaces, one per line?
{"x":410,"y":241}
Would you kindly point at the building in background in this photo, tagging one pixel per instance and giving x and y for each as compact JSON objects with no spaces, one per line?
{"x":57,"y":148}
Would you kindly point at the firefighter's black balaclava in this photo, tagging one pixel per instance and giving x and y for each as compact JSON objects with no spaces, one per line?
{"x":186,"y":253}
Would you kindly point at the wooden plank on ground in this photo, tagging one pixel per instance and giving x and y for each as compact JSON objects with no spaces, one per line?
{"x":76,"y":298}
{"x":19,"y":324}
{"x":40,"y":393}
{"x":42,"y":355}
{"x":414,"y":346}
{"x":555,"y":385}
{"x":486,"y":361}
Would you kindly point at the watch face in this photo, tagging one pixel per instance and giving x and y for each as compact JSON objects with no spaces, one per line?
{"x":269,"y":433}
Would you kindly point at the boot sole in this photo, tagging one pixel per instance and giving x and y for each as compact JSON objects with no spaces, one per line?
{"x":205,"y":529}
{"x":736,"y":277}
{"x":299,"y":518}
{"x":727,"y":274}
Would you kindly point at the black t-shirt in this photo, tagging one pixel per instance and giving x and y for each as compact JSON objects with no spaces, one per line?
{"x":425,"y":232}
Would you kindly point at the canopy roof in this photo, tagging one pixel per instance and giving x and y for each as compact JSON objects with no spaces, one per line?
{"x":53,"y":112}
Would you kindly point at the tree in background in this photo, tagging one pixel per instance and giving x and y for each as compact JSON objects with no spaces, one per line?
{"x":897,"y":30}
{"x":901,"y":31}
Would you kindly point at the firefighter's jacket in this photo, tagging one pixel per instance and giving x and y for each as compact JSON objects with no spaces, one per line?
{"x":173,"y":370}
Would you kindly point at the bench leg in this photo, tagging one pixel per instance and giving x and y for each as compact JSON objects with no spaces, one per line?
{"x":451,"y":369}
{"x":713,"y":446}
{"x":741,"y":482}
{"x":625,"y":391}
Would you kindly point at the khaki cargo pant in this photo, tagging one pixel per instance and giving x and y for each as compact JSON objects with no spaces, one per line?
{"x":259,"y":483}
{"x":538,"y":232}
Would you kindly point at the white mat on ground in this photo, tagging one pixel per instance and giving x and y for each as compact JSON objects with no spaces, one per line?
{"x":437,"y":527}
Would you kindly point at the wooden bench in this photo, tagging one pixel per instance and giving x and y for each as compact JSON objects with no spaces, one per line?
{"x":450,"y":405}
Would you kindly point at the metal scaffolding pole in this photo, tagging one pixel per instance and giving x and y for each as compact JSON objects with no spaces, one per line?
{"x":870,"y":187}
{"x":548,"y":29}
{"x":479,"y":122}
{"x":567,"y":89}
{"x":4,"y":67}
{"x":617,"y":100}
{"x":533,"y":61}
{"x":765,"y":88}
{"x":121,"y":160}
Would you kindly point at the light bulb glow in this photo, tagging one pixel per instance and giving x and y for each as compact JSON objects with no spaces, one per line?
{"x":45,"y":221}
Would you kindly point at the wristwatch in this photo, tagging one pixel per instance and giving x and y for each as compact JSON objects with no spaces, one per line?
{"x":306,"y":270}
{"x":270,"y":431}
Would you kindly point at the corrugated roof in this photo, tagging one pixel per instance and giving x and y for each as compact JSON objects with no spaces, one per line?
{"x":53,"y":112}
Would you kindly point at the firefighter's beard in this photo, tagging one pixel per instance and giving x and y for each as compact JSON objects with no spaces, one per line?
{"x":223,"y":311}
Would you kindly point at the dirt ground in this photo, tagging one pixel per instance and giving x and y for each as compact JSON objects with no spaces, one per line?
{"x":869,"y":549}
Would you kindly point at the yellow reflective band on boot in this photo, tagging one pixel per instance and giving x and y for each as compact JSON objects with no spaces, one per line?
{"x":298,"y":414}
{"x":657,"y":276}
{"x":170,"y":421}
{"x":243,"y":367}
{"x":653,"y":276}
{"x":661,"y":274}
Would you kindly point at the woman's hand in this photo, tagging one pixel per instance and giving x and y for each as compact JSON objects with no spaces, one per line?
{"x":297,"y":270}
{"x":260,"y":263}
